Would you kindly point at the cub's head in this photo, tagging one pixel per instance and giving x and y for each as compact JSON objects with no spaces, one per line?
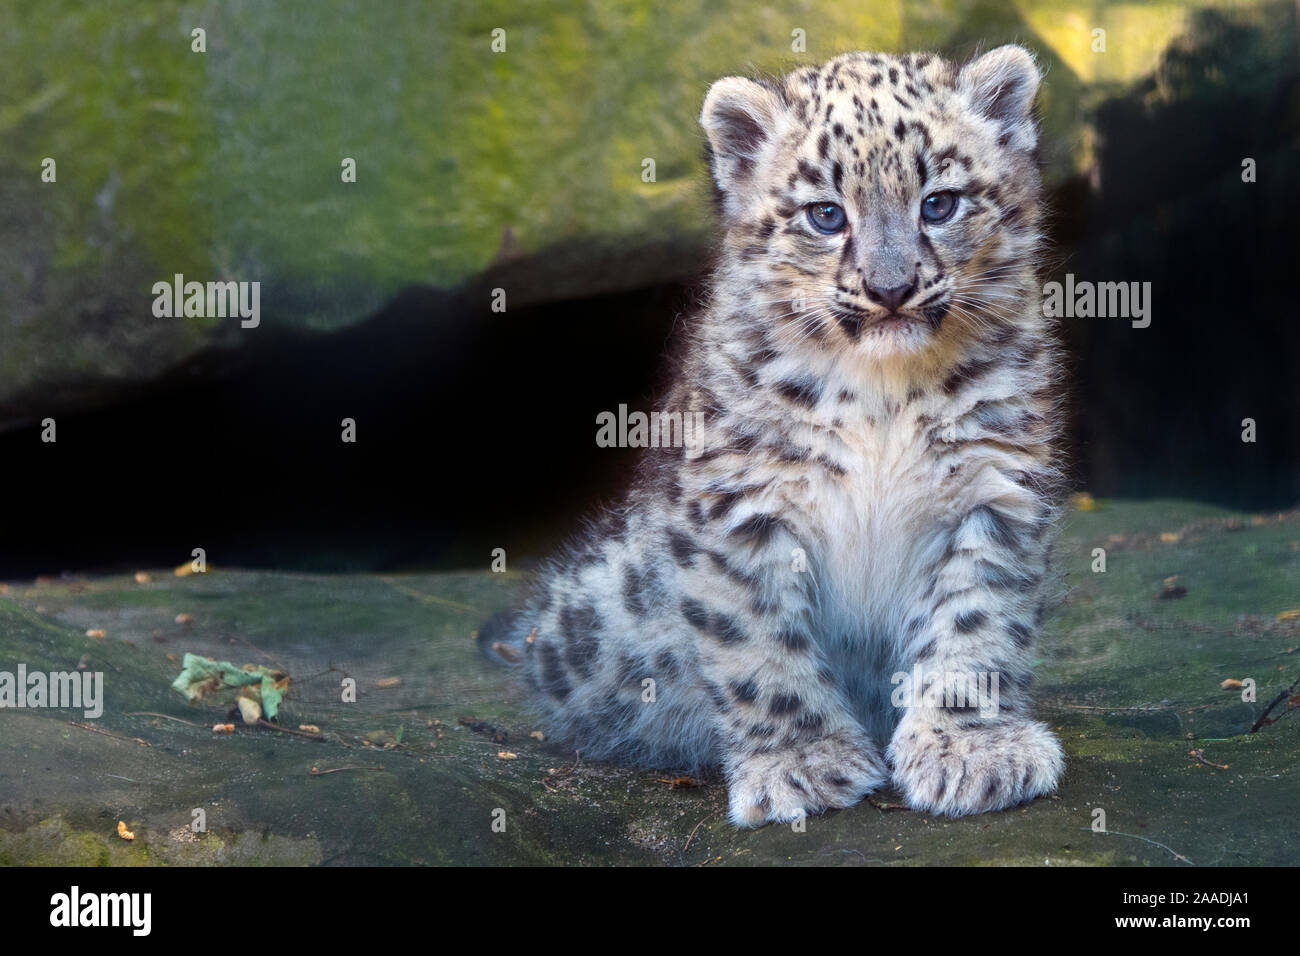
{"x":878,"y":203}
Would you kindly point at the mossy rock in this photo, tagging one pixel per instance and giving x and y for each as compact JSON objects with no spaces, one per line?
{"x":474,"y":169}
{"x":1129,"y":680}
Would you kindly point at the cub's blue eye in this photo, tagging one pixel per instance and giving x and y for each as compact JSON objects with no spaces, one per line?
{"x":939,"y":206}
{"x":826,"y":217}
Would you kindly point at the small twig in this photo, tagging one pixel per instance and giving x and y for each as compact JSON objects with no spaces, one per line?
{"x":320,"y":773}
{"x":885,"y":807}
{"x":697,"y":826}
{"x":150,"y":713}
{"x":547,"y":778}
{"x":263,"y":722}
{"x":1263,"y":718}
{"x":1112,"y":709}
{"x":680,"y":783}
{"x":1177,"y":855}
{"x":311,"y":677}
{"x":109,"y":733}
{"x":1198,"y":754}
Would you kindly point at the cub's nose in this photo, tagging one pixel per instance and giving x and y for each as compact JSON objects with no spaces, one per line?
{"x":892,"y":297}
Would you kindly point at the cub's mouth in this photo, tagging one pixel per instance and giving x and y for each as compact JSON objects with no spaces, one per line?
{"x":858,"y":321}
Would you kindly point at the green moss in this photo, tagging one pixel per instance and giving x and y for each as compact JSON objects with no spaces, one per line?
{"x":57,"y":842}
{"x":226,"y":164}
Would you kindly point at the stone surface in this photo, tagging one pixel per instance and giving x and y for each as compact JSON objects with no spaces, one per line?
{"x":1130,"y":681}
{"x":521,"y":169}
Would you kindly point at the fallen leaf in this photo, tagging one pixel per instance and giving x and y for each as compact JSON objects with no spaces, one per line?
{"x":223,"y":728}
{"x":507,"y":755}
{"x":309,"y":728}
{"x":1289,"y":615}
{"x":123,"y":832}
{"x":143,"y":577}
{"x":1231,"y":684}
{"x":1085,"y":502}
{"x":1169,"y":537}
{"x":257,"y":685}
{"x":537,"y":735}
{"x":97,"y":633}
{"x":183,"y":618}
{"x":388,"y":682}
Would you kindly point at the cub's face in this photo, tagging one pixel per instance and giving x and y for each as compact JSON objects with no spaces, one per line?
{"x":881,"y":204}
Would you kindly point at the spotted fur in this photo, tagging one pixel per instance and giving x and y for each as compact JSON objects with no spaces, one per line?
{"x":878,"y":485}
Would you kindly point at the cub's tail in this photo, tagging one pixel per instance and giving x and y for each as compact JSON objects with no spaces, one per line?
{"x":502,"y":638}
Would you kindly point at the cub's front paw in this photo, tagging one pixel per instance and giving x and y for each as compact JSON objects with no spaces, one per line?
{"x":950,"y":771}
{"x":784,"y":785}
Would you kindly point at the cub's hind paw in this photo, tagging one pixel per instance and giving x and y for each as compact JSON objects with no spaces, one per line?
{"x":783,"y":785}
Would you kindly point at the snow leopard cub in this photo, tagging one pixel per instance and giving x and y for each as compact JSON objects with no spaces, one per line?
{"x":876,"y":488}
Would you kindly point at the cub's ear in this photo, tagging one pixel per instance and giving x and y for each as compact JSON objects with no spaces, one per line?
{"x":1002,"y":85}
{"x":740,"y":117}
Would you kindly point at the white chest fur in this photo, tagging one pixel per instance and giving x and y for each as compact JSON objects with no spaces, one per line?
{"x":880,"y":526}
